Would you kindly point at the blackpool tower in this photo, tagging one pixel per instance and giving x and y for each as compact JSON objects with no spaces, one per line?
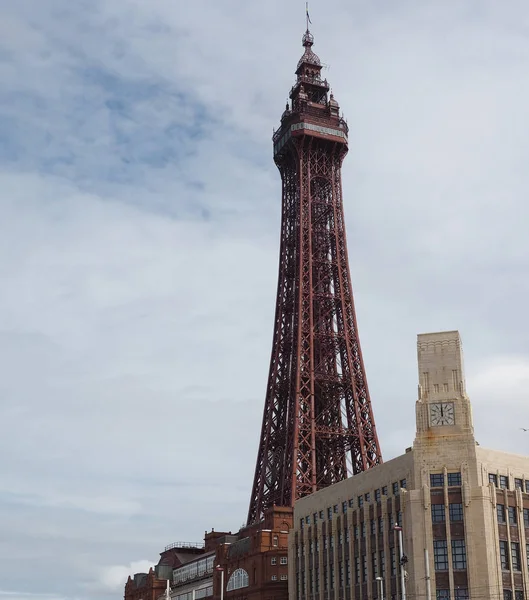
{"x":318,"y":426}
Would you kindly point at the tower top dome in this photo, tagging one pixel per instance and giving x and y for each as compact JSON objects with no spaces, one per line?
{"x":309,"y":57}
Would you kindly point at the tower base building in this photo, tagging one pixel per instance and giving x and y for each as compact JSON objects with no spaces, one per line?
{"x":446,"y":520}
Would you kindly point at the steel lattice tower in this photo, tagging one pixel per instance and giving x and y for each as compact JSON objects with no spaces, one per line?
{"x":318,"y":426}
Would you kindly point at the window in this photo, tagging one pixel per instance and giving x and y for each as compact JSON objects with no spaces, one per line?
{"x":512,"y":515}
{"x":454,"y":479}
{"x":403,"y":483}
{"x":351,"y":502}
{"x":325,"y":586}
{"x":527,"y":554}
{"x":360,"y":501}
{"x":363,"y":529}
{"x":436,"y":480}
{"x":395,"y":487}
{"x":377,"y":495}
{"x":507,"y":595}
{"x":504,"y":482}
{"x":393,"y":561}
{"x":340,"y":575}
{"x":461,"y":593}
{"x":344,"y":507}
{"x":273,"y":560}
{"x":307,"y":520}
{"x":340,"y":538}
{"x":373,"y":527}
{"x":438,"y":513}
{"x":283,"y":560}
{"x":274,"y":577}
{"x":347,"y":572}
{"x":500,"y":513}
{"x":284,"y":577}
{"x":504,"y":556}
{"x":440,"y":554}
{"x":335,"y":508}
{"x":329,"y":513}
{"x":518,"y":595}
{"x":390,"y":521}
{"x":364,"y":568}
{"x":399,"y":518}
{"x":493,"y":478}
{"x":382,"y":564}
{"x":518,"y":484}
{"x":322,"y":515}
{"x":331,"y":540}
{"x":347,"y":535}
{"x":331,"y":578}
{"x":357,"y":569}
{"x":374,"y":565}
{"x":456,"y":511}
{"x":385,"y":490}
{"x":368,"y":497}
{"x":526,"y":517}
{"x":355,"y":532}
{"x":515,"y":556}
{"x":301,"y":523}
{"x":459,"y":554}
{"x":238,"y":579}
{"x":311,"y":548}
{"x":325,"y":542}
{"x":275,"y":541}
{"x":442,"y":595}
{"x":527,"y":486}
{"x":380,"y":525}
{"x":315,"y":518}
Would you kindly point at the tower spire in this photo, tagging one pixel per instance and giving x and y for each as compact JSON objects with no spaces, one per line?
{"x":318,"y":427}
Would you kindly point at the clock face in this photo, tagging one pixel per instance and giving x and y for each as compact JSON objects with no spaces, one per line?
{"x":442,"y":413}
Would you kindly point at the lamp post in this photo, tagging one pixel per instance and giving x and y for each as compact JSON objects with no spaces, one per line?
{"x":403,"y":561}
{"x":221,"y":569}
{"x":380,"y":584}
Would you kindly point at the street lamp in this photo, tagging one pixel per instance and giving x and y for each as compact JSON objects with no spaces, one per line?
{"x":403,"y":561}
{"x":219,"y":568}
{"x":380,"y":584}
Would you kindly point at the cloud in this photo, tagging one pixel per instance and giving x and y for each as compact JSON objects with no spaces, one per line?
{"x":114,"y":578}
{"x":139,"y":237}
{"x":10,"y":595}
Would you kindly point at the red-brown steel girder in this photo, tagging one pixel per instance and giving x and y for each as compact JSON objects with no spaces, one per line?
{"x":318,"y":426}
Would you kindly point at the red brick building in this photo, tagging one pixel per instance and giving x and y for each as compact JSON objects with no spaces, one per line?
{"x":254,"y":562}
{"x":144,"y":586}
{"x":256,"y":565}
{"x":151,"y":585}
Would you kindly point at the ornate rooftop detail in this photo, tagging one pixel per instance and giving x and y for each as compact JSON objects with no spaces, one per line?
{"x":309,"y":56}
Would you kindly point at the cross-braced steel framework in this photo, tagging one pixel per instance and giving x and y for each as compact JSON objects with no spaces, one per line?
{"x":318,"y":426}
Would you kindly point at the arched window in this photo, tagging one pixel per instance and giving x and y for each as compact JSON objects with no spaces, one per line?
{"x":239,"y":579}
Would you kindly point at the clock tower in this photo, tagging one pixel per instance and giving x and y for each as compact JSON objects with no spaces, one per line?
{"x":443,"y":408}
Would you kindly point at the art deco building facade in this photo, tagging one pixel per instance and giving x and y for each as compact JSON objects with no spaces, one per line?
{"x":463,"y":509}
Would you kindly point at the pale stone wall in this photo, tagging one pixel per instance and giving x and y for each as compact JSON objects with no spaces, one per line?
{"x":436,"y":450}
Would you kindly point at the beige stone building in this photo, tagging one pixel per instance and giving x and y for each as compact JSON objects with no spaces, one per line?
{"x":464,"y":510}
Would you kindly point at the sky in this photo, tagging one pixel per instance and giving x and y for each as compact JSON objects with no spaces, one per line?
{"x":139,"y":239}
